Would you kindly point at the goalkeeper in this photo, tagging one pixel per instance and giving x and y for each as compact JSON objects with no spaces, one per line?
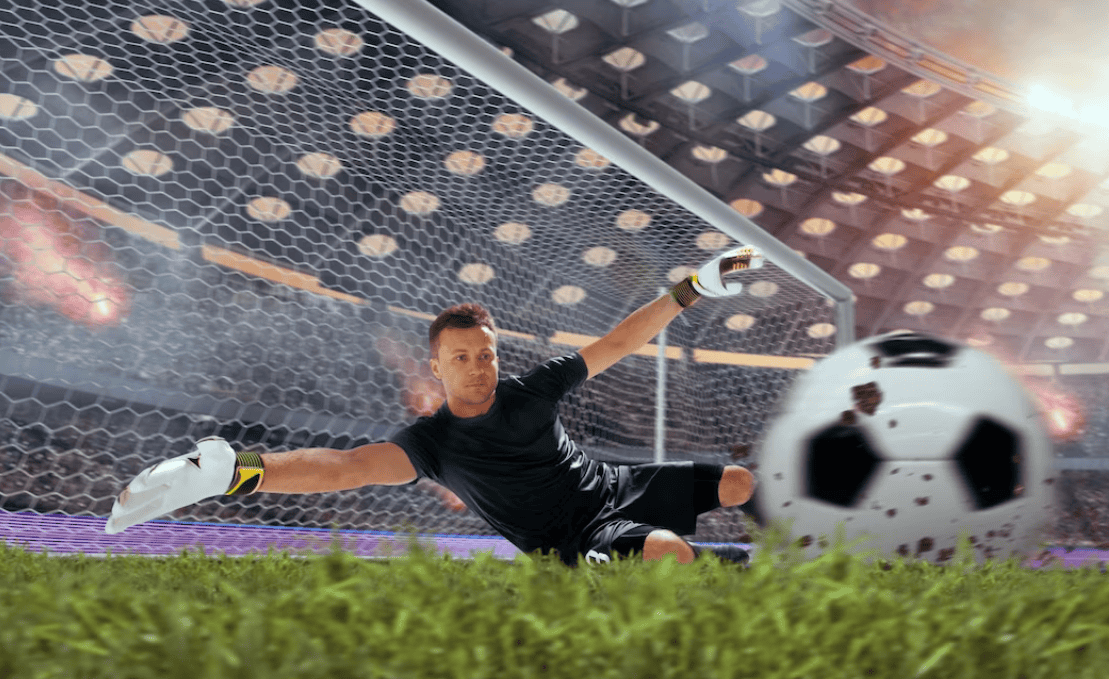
{"x":499,"y":445}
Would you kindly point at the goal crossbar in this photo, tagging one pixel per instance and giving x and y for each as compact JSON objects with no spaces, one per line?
{"x":429,"y":25}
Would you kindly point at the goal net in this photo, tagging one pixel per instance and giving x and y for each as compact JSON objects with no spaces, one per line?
{"x":238,"y":217}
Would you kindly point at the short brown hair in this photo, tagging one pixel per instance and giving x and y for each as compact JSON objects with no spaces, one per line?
{"x":460,"y":316}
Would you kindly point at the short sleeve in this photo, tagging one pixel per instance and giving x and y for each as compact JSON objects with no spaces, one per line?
{"x":418,"y":443}
{"x":555,"y":377}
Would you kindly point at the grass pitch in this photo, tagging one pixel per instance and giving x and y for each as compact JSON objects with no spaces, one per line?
{"x":428,"y":616}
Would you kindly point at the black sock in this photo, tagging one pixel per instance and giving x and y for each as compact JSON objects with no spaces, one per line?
{"x":725,"y":552}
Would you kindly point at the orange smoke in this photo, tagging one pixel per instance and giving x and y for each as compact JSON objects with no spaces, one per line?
{"x":422,"y":393}
{"x":59,"y":263}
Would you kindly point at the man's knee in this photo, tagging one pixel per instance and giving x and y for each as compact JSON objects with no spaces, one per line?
{"x":736,"y":486}
{"x":662,"y":542}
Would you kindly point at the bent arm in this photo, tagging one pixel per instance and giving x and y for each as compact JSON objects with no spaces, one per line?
{"x":630,"y":334}
{"x":319,"y":470}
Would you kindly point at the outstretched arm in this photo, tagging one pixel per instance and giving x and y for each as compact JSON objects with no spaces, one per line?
{"x":214,"y":468}
{"x":647,"y":321}
{"x":630,"y":334}
{"x":321,"y":470}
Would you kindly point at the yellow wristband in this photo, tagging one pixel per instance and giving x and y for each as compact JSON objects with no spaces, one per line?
{"x":249,"y":471}
{"x":684,"y":293}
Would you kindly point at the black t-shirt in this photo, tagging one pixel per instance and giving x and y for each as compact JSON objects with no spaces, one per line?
{"x":515,"y":466}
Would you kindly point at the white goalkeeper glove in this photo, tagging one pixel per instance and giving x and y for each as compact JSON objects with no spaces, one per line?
{"x":212,"y":468}
{"x":709,"y":281}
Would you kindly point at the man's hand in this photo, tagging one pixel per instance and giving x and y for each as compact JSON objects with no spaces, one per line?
{"x":710,"y":279}
{"x":632,"y":333}
{"x":171,"y":484}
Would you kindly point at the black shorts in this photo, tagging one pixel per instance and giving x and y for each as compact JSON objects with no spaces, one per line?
{"x":648,"y":497}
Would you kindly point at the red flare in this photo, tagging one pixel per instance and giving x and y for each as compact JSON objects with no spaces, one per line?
{"x":59,"y":263}
{"x":1063,"y":413}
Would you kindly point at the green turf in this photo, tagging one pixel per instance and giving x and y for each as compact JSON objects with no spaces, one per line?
{"x":425,"y":615}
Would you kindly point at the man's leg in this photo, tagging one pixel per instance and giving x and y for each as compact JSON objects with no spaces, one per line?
{"x":721,"y":486}
{"x":654,"y":497}
{"x":661,"y":542}
{"x":736,"y":486}
{"x":654,"y":544}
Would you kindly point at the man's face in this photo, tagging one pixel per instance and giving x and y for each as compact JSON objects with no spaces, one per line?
{"x":467,"y":366}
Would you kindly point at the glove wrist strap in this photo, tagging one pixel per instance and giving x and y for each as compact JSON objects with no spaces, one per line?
{"x":249,"y":471}
{"x":684,"y":293}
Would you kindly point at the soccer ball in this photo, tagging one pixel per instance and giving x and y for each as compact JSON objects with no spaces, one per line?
{"x":910,"y":440}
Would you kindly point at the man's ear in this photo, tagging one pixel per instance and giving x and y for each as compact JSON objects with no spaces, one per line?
{"x":434,"y":363}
